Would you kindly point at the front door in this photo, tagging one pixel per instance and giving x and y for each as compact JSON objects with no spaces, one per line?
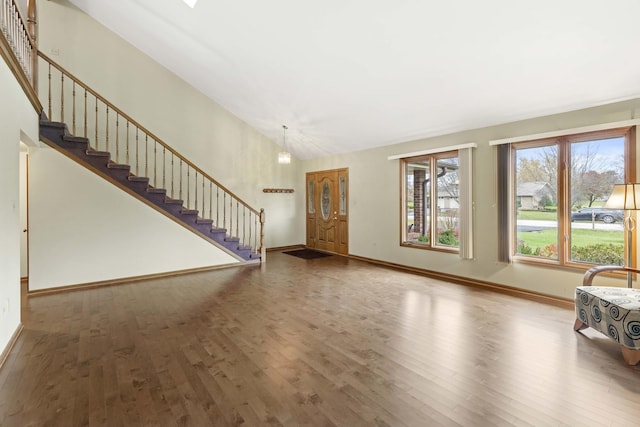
{"x":327,"y":213}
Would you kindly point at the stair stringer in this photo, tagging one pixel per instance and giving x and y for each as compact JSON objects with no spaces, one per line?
{"x":54,"y":135}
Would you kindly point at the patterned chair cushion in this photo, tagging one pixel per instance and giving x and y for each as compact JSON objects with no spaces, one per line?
{"x":613,"y":311}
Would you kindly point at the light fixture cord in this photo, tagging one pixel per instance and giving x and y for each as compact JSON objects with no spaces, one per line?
{"x":284,"y":137}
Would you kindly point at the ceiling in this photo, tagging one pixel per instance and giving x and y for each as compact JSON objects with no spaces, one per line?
{"x":347,"y":75}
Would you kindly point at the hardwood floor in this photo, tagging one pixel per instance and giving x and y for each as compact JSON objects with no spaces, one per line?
{"x":320,"y":342}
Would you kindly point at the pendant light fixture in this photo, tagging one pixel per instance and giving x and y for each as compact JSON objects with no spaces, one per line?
{"x":284,"y":157}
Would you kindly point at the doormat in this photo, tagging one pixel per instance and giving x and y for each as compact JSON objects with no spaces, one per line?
{"x":307,"y":253}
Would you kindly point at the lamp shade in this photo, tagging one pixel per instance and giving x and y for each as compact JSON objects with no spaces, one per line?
{"x":624,"y":196}
{"x":284,"y":157}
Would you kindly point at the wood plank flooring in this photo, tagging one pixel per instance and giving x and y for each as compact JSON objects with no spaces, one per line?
{"x":322,"y":342}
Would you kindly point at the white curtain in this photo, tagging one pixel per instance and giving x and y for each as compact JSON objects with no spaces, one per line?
{"x":466,"y":202}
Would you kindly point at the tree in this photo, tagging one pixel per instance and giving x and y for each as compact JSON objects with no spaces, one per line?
{"x":592,"y":175}
{"x":541,"y":168}
{"x":530,"y":170}
{"x":596,"y":185}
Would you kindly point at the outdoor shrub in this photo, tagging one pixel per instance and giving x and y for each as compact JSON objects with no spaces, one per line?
{"x":424,"y":239}
{"x":524,"y":248}
{"x":448,"y":238}
{"x":544,"y":202}
{"x":599,"y":253}
{"x":549,"y":251}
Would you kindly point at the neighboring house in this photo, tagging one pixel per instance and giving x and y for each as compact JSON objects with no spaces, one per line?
{"x":533,"y":195}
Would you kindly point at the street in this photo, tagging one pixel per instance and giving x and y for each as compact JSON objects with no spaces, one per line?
{"x":534,"y":225}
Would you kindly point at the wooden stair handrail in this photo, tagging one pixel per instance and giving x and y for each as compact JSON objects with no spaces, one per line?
{"x":31,"y":7}
{"x":145,"y":130}
{"x":18,"y":38}
{"x":32,"y":33}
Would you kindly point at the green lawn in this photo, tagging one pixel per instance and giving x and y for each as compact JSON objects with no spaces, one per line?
{"x":579,"y":237}
{"x":538,"y":215}
{"x":544,"y":215}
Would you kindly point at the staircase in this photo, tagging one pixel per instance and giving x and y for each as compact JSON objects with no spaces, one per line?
{"x":231,"y":224}
{"x":57,"y":135}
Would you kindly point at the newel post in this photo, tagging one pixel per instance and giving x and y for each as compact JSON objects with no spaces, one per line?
{"x":263,"y":249}
{"x":32,"y":28}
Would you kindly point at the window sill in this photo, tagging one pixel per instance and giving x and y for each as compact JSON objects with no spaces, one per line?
{"x":430,"y":248}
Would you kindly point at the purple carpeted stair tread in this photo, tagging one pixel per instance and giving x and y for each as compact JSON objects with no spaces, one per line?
{"x":156,"y":190}
{"x":134,"y":178}
{"x":76,"y":139}
{"x":170,"y":201}
{"x":96,"y":153}
{"x":113,"y":165}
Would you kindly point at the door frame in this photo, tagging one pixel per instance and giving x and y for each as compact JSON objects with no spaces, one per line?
{"x":24,"y":211}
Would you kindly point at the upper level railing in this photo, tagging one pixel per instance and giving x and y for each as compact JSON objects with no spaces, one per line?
{"x":21,"y":36}
{"x":66,"y":99}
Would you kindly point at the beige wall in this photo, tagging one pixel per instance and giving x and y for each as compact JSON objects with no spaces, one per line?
{"x":374,"y":205}
{"x":83,"y":229}
{"x":228,"y":149}
{"x":18,"y":120}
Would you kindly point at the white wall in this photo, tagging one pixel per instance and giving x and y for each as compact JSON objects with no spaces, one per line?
{"x":22,"y":7}
{"x":374,"y":207}
{"x":229,"y":150}
{"x":16,"y":116}
{"x":84,"y":229}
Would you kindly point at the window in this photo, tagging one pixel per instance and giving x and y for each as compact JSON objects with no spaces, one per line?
{"x":431,"y":201}
{"x":558,"y":187}
{"x":437,"y":204}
